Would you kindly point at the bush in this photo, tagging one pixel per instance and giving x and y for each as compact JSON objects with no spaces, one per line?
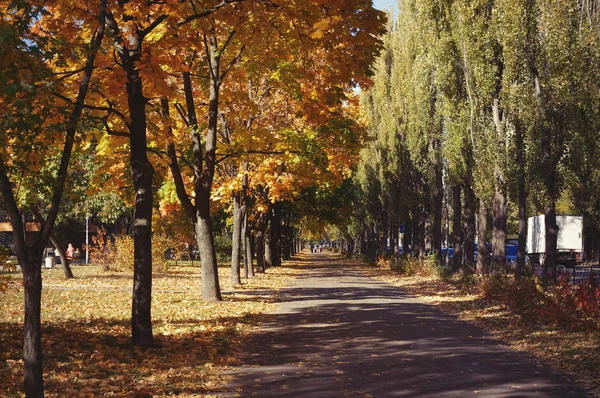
{"x":563,"y":305}
{"x":160,"y":244}
{"x":588,"y":299}
{"x":223,"y":247}
{"x":524,"y":297}
{"x":113,"y":254}
{"x":409,"y":265}
{"x":123,"y":253}
{"x":100,"y":252}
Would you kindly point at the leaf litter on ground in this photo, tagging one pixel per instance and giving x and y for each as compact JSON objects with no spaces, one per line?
{"x":573,"y":352}
{"x":86,"y":332}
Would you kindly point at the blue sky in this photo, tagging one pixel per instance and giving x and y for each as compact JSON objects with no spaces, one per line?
{"x":384,"y":4}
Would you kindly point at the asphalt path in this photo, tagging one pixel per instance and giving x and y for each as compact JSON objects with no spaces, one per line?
{"x":337,"y":332}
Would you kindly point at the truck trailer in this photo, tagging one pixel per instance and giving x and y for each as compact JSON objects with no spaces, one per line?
{"x":569,"y":242}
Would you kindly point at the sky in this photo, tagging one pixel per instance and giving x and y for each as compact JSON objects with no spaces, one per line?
{"x":384,"y":4}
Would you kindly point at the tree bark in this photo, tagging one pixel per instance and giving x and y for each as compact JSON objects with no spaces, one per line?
{"x":416,"y":236}
{"x":275,"y":235}
{"x":424,"y":224}
{"x":61,"y":253}
{"x":211,"y":290}
{"x":457,"y":232}
{"x":551,"y":241}
{"x":268,"y":260}
{"x":522,"y":195}
{"x":499,"y":209}
{"x":437,"y":215}
{"x":63,"y":257}
{"x":499,"y":200}
{"x":32,"y":342}
{"x":259,"y":241}
{"x":407,"y":238}
{"x":236,"y":240}
{"x":482,"y":251}
{"x":469,"y":229}
{"x":141,"y":172}
{"x":267,"y":236}
{"x":247,"y":239}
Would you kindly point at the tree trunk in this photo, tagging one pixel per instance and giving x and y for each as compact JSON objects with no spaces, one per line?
{"x":416,"y":237}
{"x":499,"y":230}
{"x":457,"y":232}
{"x":363,"y":239}
{"x":551,"y":241}
{"x":394,"y":238}
{"x":286,"y":248}
{"x":30,"y":255}
{"x":424,"y":226}
{"x":211,"y":290}
{"x":63,"y":257}
{"x":407,"y":238}
{"x":32,"y":342}
{"x":482,"y":251}
{"x":591,"y":241}
{"x":520,"y":144}
{"x":267,"y":246}
{"x":247,"y":238}
{"x":437,"y":212}
{"x":259,"y":241}
{"x":469,"y":228}
{"x":141,"y":172}
{"x":275,"y":235}
{"x":236,"y":240}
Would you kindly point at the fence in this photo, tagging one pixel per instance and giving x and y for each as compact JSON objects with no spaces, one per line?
{"x":182,"y":259}
{"x":576,"y":275}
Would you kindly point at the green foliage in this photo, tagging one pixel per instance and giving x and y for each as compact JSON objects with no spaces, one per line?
{"x":223,"y":247}
{"x":444,"y":70}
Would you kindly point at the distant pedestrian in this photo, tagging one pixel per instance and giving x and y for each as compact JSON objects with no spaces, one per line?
{"x":70,"y":252}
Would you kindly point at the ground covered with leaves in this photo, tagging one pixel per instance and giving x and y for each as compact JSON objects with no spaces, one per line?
{"x":86,"y":332}
{"x":572,"y":348}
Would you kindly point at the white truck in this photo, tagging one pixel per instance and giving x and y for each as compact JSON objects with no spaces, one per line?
{"x":569,"y":242}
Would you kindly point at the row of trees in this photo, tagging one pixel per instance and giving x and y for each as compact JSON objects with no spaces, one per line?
{"x":492,"y":108}
{"x":126,"y":82}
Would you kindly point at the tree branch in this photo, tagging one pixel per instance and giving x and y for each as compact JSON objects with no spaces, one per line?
{"x":174,"y":167}
{"x":236,"y":154}
{"x":207,"y":12}
{"x":59,"y":183}
{"x":233,"y":62}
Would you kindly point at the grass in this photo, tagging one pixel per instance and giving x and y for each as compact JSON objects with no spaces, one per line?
{"x":86,"y":332}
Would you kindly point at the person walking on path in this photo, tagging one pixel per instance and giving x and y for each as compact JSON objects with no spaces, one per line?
{"x":336,"y":332}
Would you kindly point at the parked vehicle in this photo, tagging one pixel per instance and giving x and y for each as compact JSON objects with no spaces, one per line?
{"x":511,"y":252}
{"x":569,"y":243}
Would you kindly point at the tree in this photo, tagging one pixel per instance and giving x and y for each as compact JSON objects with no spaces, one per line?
{"x":226,"y":39}
{"x":29,"y":47}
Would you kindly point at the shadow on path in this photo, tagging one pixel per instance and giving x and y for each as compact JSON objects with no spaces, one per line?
{"x":339,"y":333}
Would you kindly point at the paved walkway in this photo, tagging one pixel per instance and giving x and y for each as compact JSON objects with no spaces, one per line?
{"x":339,"y":333}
